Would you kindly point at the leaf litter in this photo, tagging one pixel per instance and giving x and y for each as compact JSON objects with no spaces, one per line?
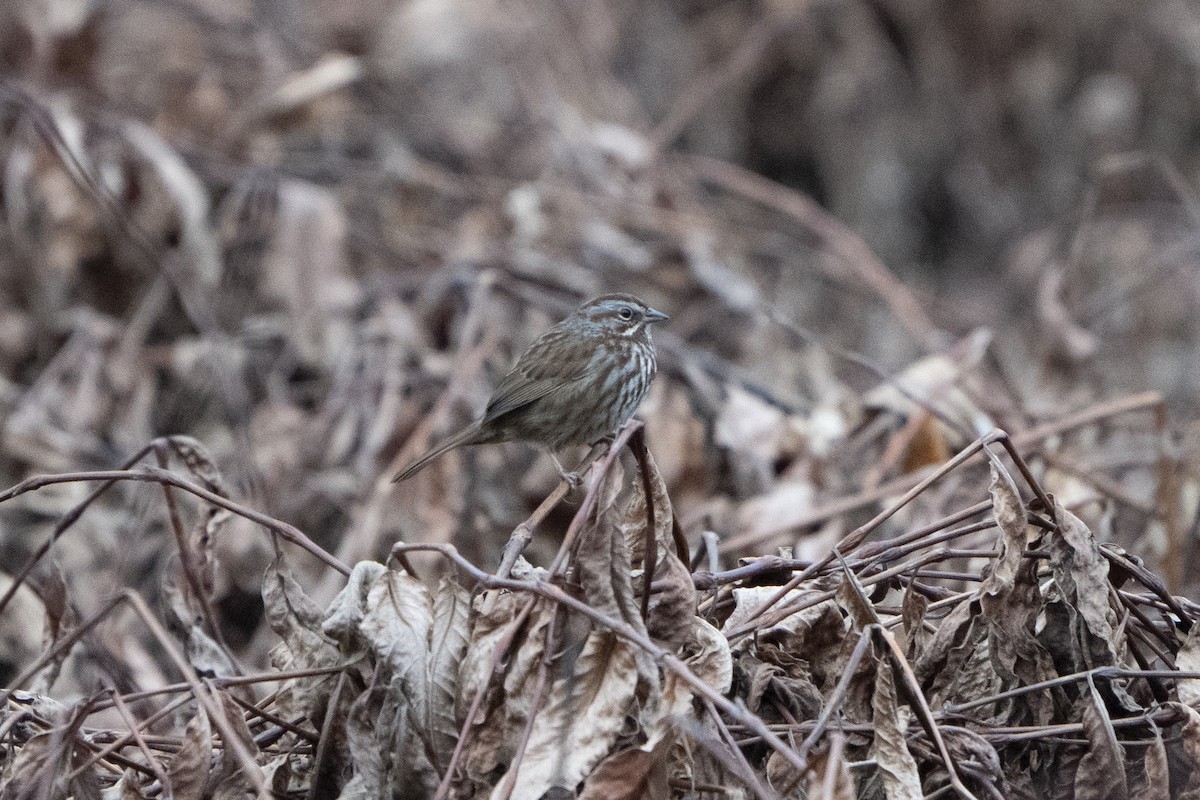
{"x":249,"y":279}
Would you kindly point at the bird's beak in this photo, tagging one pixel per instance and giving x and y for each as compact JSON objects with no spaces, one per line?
{"x":653,"y":315}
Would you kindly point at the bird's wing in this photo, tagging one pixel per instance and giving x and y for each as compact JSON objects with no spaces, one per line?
{"x":537,"y":374}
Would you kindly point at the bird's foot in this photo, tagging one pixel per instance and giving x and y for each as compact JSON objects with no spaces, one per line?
{"x":573,"y":479}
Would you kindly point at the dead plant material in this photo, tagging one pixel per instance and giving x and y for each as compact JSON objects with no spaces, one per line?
{"x":911,"y":508}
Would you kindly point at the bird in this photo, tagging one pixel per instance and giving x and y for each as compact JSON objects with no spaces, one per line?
{"x":576,"y":384}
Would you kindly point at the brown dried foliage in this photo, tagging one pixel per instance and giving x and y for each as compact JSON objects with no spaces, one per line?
{"x":253,"y":260}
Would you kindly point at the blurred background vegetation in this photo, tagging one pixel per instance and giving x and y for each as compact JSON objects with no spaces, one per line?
{"x":311,"y":235}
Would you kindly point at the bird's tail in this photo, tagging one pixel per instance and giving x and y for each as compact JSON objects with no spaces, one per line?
{"x":469,"y":435}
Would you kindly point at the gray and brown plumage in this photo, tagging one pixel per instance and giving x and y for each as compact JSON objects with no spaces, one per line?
{"x":579,"y":382}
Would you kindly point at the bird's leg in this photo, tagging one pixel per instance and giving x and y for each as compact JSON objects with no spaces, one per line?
{"x":572,"y":478}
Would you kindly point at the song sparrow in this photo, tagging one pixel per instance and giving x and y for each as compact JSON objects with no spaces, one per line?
{"x":577,"y":383}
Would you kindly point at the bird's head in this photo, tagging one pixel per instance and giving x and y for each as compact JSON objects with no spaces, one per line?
{"x":622,"y":314}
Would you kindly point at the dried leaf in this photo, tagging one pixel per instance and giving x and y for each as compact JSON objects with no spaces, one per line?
{"x":61,"y":619}
{"x":1011,"y":601}
{"x":192,"y":764}
{"x":228,"y":778}
{"x":196,"y":238}
{"x":605,"y":574}
{"x":346,"y":611}
{"x":508,"y":683}
{"x":186,"y":618}
{"x":927,"y":446}
{"x":1081,"y":573}
{"x":43,"y":765}
{"x":1188,"y":660}
{"x":582,"y":719}
{"x":21,"y":626}
{"x":32,"y":772}
{"x":786,"y":505}
{"x":386,"y":740}
{"x":207,"y":656}
{"x":495,"y":620}
{"x":397,"y":725}
{"x":296,"y":619}
{"x":1101,"y":772}
{"x":955,"y":665}
{"x":672,"y":605}
{"x":199,"y":461}
{"x":913,"y":636}
{"x":636,"y":517}
{"x":829,"y":779}
{"x":448,"y":644}
{"x":706,"y":653}
{"x":356,"y":789}
{"x":819,"y":632}
{"x":1183,"y":755}
{"x":278,"y":773}
{"x":131,"y":785}
{"x":934,"y":382}
{"x":901,"y":781}
{"x":748,"y":424}
{"x":791,"y":689}
{"x":332,"y":758}
{"x":632,"y":774}
{"x":853,"y":598}
{"x":970,"y":753}
{"x":304,"y":267}
{"x":397,"y":623}
{"x":1069,"y":339}
{"x":748,"y":600}
{"x":1155,"y":779}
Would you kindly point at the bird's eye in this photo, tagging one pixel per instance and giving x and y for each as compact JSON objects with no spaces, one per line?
{"x":625,"y":313}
